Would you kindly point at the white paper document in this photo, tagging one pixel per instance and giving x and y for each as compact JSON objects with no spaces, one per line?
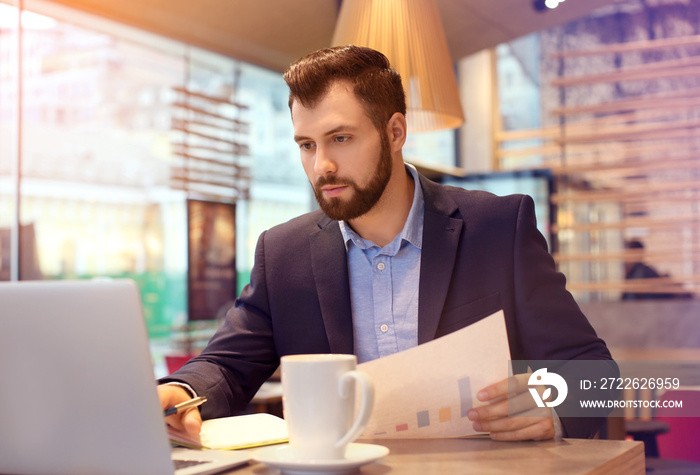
{"x":426,"y":392}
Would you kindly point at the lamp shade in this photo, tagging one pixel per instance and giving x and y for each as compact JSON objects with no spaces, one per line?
{"x":410,"y":34}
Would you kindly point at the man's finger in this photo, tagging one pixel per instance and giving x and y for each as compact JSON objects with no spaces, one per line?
{"x":525,"y":403}
{"x":518,"y":405}
{"x":513,"y":385}
{"x":192,"y":421}
{"x":494,"y":410}
{"x":189,"y":420}
{"x":507,"y":424}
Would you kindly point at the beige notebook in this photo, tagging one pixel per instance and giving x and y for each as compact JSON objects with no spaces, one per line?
{"x":236,"y":432}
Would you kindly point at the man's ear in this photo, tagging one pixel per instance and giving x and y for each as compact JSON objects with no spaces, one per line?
{"x":396,"y":131}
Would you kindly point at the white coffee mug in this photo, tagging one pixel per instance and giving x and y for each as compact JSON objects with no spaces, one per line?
{"x":318,"y":396}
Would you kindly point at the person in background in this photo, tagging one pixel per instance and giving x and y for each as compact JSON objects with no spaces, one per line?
{"x":639,"y":270}
{"x":389,"y":261}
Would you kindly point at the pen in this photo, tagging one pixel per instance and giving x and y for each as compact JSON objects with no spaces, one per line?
{"x":198,"y":401}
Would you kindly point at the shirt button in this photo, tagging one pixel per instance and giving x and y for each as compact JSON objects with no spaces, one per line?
{"x":384,"y":328}
{"x":381,"y":266}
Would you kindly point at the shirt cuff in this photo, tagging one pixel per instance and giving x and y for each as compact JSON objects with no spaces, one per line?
{"x":558,"y":427}
{"x":184,"y":386}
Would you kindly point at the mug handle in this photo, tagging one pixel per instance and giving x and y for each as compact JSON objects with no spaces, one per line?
{"x":362,"y":419}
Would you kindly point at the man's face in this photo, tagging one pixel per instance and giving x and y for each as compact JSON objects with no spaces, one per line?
{"x":346,"y":159}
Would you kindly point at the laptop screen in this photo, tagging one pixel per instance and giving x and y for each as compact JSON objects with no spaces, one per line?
{"x":77,"y":390}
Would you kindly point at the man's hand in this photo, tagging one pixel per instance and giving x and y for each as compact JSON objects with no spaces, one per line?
{"x":512,"y":396}
{"x":189,"y":420}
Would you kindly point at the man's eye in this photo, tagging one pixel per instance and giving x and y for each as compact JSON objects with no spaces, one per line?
{"x":342,"y":138}
{"x":306,"y":146}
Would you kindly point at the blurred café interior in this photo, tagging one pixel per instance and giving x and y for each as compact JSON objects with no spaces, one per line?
{"x":152,"y":140}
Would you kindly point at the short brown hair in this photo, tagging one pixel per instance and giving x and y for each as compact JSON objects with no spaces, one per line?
{"x":374,"y":82}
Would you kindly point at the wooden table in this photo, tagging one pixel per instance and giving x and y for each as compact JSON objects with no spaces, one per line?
{"x":484,"y":456}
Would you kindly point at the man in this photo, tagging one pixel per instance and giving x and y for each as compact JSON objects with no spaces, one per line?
{"x":390,"y":260}
{"x":639,"y":270}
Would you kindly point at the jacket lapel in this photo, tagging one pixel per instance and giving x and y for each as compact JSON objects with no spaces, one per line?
{"x":330,"y":270}
{"x":441,"y":234}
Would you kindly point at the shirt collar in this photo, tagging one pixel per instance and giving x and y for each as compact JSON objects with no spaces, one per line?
{"x":412,"y":231}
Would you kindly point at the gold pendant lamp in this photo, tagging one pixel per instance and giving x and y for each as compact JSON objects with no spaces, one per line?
{"x":410,"y":34}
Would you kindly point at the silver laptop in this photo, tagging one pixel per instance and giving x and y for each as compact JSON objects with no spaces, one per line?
{"x":77,"y":390}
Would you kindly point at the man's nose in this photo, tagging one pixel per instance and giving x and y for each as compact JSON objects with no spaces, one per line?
{"x":324,"y":164}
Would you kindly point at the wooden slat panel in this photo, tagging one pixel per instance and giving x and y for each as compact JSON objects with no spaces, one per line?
{"x":637,"y":157}
{"x":632,"y":46}
{"x":626,"y":75}
{"x":239,"y":169}
{"x":578,"y":127}
{"x":211,"y":167}
{"x":631,"y":132}
{"x":228,"y":128}
{"x":180,"y":146}
{"x":197,"y":110}
{"x":527,"y":152}
{"x":671,"y":163}
{"x":680,"y":286}
{"x":671,"y":142}
{"x":238,"y":148}
{"x":527,"y":134}
{"x":213,"y":99}
{"x":621,"y":195}
{"x":194,"y":172}
{"x":678,"y":100}
{"x":184,"y":179}
{"x":647,"y":223}
{"x":691,"y":254}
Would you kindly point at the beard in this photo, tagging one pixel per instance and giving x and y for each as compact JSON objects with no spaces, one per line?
{"x":362,"y":199}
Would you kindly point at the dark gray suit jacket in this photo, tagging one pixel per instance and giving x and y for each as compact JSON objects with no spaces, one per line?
{"x":480,"y":253}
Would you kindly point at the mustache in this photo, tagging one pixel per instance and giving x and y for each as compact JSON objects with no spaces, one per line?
{"x":331,"y":180}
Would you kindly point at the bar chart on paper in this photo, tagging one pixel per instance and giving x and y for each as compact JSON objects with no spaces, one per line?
{"x":418,"y":395}
{"x":438,"y":415}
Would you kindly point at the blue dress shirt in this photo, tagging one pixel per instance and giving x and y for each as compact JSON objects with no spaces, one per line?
{"x":384,"y":285}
